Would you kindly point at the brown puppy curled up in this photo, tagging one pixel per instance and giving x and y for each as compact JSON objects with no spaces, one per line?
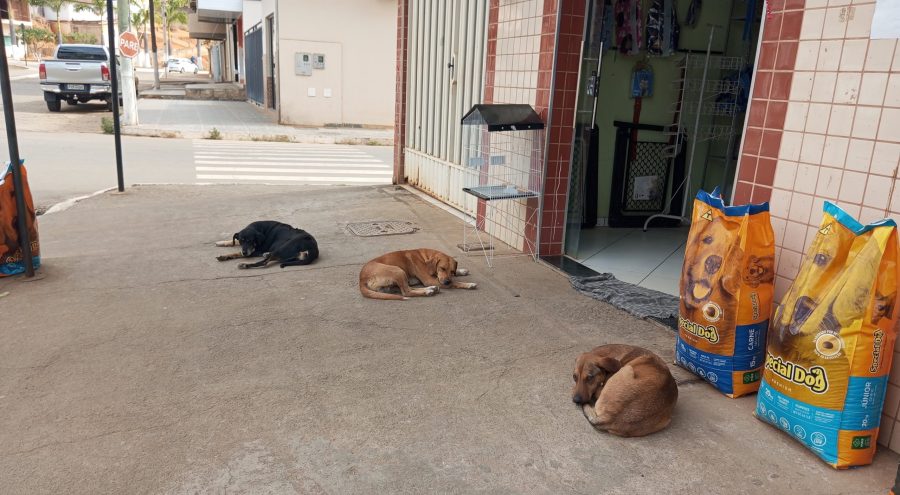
{"x":625,"y":390}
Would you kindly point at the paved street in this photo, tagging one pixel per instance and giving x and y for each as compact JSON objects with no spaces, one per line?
{"x":66,"y":156}
{"x":240,"y":162}
{"x":32,"y":113}
{"x":64,"y":165}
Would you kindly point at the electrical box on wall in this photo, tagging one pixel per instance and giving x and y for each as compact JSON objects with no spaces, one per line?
{"x":318,"y":61}
{"x":303,"y":64}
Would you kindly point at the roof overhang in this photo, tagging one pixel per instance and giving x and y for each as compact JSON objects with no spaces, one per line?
{"x":217,"y":11}
{"x":205,"y":30}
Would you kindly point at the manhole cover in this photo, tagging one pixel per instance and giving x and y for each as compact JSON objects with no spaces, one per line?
{"x":382,"y":227}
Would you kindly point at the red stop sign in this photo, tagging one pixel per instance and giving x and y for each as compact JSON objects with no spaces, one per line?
{"x":129,"y":44}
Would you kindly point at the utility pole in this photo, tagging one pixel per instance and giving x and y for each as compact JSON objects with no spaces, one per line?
{"x":114,"y":82}
{"x":153,"y":47}
{"x":15,"y":162}
{"x":129,"y":92}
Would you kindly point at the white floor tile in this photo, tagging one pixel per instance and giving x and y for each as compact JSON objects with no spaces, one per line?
{"x":662,"y":284}
{"x":651,"y":259}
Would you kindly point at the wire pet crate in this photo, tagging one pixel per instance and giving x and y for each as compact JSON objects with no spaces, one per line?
{"x":503,"y":155}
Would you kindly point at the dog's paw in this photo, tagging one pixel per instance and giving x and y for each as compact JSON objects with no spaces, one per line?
{"x":430,"y":290}
{"x":224,"y":243}
{"x":242,"y":266}
{"x":222,"y":258}
{"x":470,"y":285}
{"x":589,"y":413}
{"x":462,"y":272}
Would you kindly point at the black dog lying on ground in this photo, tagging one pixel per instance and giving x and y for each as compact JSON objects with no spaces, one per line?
{"x":274,"y":241}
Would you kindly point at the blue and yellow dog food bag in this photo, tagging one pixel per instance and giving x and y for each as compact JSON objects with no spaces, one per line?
{"x":832,"y":339}
{"x":727,"y":284}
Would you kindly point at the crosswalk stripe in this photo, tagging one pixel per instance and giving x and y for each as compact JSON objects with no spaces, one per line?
{"x":281,"y":152}
{"x":297,"y":165}
{"x":294,"y":170}
{"x":298,"y":158}
{"x":319,"y":162}
{"x":288,"y":162}
{"x":288,"y":147}
{"x":287,"y":178}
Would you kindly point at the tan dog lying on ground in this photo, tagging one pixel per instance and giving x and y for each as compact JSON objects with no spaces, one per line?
{"x":625,"y":390}
{"x":401,"y":268}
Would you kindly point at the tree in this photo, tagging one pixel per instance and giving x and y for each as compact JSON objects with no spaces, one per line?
{"x":98,"y":8}
{"x":36,"y":39}
{"x":56,"y":6}
{"x":140,"y":19}
{"x":172,"y":12}
{"x":81,"y":38}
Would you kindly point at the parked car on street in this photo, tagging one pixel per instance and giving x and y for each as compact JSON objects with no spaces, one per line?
{"x":181,"y":65}
{"x":76,"y":74}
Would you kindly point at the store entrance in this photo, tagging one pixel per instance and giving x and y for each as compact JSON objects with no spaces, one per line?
{"x":663,"y":92}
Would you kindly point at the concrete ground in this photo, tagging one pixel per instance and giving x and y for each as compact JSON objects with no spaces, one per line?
{"x":137,"y":363}
{"x":238,"y":120}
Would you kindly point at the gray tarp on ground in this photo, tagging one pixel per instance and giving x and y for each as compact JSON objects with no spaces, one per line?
{"x":636,"y":300}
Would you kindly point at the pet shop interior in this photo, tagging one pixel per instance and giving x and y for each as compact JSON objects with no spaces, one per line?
{"x":660,"y":111}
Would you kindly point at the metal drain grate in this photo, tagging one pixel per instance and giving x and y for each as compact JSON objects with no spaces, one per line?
{"x":382,"y":227}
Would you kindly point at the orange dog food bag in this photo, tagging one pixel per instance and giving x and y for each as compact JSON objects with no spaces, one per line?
{"x":832,"y":340}
{"x":727,"y":284}
{"x":11,"y":262}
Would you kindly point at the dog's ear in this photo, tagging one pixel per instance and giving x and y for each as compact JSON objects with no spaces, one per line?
{"x":258,"y":237}
{"x":432,"y":265}
{"x":605,"y":363}
{"x":234,"y":238}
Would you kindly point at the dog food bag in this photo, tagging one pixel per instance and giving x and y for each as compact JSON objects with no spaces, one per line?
{"x":832,"y":339}
{"x":10,"y":253}
{"x":726,"y":293}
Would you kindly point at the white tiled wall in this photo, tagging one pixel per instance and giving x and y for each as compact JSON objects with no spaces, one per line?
{"x":841,"y":142}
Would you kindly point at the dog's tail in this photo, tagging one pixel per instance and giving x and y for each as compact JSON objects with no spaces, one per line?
{"x":310,"y":256}
{"x":374,"y":294}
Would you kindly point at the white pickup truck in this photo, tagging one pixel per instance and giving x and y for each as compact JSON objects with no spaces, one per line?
{"x":76,"y":74}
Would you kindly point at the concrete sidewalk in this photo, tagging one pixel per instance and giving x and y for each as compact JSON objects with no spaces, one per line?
{"x":238,"y":120}
{"x":140,"y":364}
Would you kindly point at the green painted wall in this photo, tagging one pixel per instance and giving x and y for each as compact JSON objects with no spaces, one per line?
{"x":615,"y":103}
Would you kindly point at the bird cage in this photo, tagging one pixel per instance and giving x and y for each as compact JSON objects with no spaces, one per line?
{"x":503,"y":155}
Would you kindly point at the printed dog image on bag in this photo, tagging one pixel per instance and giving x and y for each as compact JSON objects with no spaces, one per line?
{"x":11,"y":262}
{"x":832,"y":339}
{"x":727,"y":283}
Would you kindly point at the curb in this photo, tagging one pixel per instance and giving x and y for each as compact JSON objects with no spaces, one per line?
{"x":65,"y":205}
{"x":276,"y":138}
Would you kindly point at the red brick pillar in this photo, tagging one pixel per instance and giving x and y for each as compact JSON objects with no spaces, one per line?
{"x":400,"y":103}
{"x":489,"y":79}
{"x":768,"y":104}
{"x":556,"y":105}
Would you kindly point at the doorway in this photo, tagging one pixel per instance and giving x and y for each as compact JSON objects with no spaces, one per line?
{"x":663,"y":92}
{"x":253,"y":64}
